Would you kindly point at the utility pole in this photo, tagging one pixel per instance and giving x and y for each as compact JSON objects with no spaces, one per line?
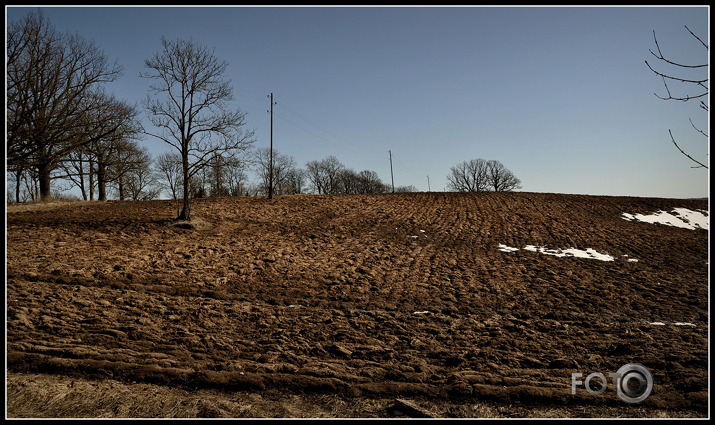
{"x":270,"y":163}
{"x":391,"y":175}
{"x":428,"y":188}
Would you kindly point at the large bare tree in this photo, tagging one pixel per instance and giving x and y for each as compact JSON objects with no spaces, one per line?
{"x":54,"y":84}
{"x":500,"y":178}
{"x":677,"y":73}
{"x":189,"y":106}
{"x":479,"y":175}
{"x":468,"y":176}
{"x":324,"y":175}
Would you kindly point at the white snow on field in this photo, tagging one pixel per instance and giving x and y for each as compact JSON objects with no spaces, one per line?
{"x":675,"y":324}
{"x":679,"y":217}
{"x":572,"y":252}
{"x":505,"y":248}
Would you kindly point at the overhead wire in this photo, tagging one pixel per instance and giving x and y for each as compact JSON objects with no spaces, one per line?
{"x":347,"y":144}
{"x":333,"y":139}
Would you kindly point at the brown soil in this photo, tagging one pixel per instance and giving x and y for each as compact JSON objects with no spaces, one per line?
{"x":347,"y":306}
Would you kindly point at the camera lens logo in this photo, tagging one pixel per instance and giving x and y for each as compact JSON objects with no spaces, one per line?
{"x":634,"y":383}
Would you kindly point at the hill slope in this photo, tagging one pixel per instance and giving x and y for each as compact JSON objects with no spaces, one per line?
{"x":441,"y":295}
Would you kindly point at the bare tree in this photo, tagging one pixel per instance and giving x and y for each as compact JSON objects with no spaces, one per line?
{"x":130,"y":171}
{"x":193,"y":116}
{"x":469,"y":176}
{"x":106,"y":152}
{"x":501,"y":179}
{"x":405,"y":189}
{"x":315,"y":175}
{"x":479,"y":175}
{"x":348,"y":181}
{"x":53,"y":82}
{"x":284,"y":168}
{"x":168,"y":166}
{"x":700,"y":85}
{"x":369,"y":182}
{"x":236,"y":177}
{"x":325,"y":175}
{"x":76,"y":169}
{"x":295,"y":180}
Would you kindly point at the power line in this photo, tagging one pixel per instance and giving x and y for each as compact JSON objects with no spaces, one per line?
{"x":356,"y":148}
{"x":333,"y":137}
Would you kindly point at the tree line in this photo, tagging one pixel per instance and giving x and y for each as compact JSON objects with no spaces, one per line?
{"x":63,"y":125}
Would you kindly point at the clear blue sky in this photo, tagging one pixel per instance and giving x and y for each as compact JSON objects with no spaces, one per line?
{"x":560,"y":95}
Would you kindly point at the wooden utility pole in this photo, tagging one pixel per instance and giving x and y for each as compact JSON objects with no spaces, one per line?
{"x":391,"y":175}
{"x":270,"y":161}
{"x":428,"y":188}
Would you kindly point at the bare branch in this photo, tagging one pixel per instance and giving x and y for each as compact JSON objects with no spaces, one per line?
{"x":698,"y":38}
{"x":697,"y":129}
{"x":700,"y":164}
{"x":698,"y":82}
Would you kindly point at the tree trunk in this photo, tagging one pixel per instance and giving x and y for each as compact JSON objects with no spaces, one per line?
{"x":18,"y":178}
{"x":121,"y":189}
{"x":186,"y":211}
{"x":81,"y":179}
{"x":43,"y":175}
{"x":91,"y":180}
{"x":101,"y":184}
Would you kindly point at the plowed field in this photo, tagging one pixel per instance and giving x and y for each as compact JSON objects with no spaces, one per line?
{"x":379,"y":297}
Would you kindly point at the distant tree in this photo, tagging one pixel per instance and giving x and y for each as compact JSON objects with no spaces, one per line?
{"x":348,"y":181}
{"x":132,"y":174}
{"x":316,"y":176}
{"x":499,"y":178}
{"x":295,"y":180}
{"x":369,"y":182}
{"x":193,"y":115}
{"x":225,"y":175}
{"x":236,"y":177}
{"x":284,"y":171}
{"x":109,"y":162}
{"x":479,"y":175}
{"x":405,"y":189}
{"x":700,"y":85}
{"x":53,"y":92}
{"x":324,"y":175}
{"x":469,"y":176}
{"x":76,"y":169}
{"x":168,"y":167}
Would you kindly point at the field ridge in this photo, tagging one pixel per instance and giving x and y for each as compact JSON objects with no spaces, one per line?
{"x":363,"y":296}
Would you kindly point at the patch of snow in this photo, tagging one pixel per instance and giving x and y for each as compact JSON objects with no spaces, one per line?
{"x":505,"y":248}
{"x":421,"y":312}
{"x":573,"y":252}
{"x":676,"y":324}
{"x":679,"y":217}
